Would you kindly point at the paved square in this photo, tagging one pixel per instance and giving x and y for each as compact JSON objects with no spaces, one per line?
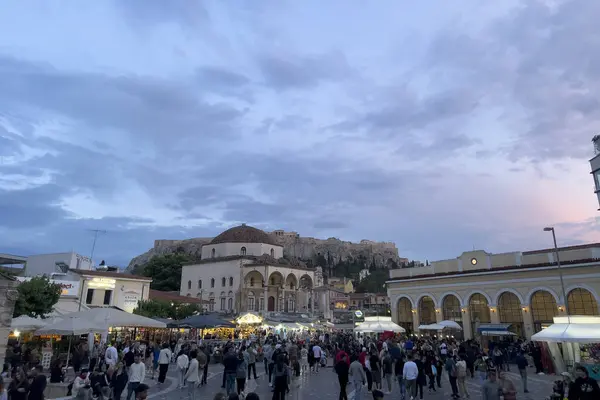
{"x":324,"y":386}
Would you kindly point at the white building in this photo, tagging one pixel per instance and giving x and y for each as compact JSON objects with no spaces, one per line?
{"x":243,"y":269}
{"x":363,"y":273}
{"x":47,"y":264}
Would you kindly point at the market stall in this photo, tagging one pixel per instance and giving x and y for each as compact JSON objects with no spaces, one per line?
{"x":378,"y":325}
{"x":573,"y":339}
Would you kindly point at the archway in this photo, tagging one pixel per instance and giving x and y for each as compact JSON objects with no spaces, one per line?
{"x":543,"y":309}
{"x":275,"y":279}
{"x":451,"y":311}
{"x":480,"y":311}
{"x":509,"y":312}
{"x":582,"y":302}
{"x":253,"y":279}
{"x":405,"y":317}
{"x":271,"y":304}
{"x":291,"y":282}
{"x":426,"y":311}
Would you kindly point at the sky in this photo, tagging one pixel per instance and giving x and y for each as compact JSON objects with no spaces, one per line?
{"x":440,"y":126}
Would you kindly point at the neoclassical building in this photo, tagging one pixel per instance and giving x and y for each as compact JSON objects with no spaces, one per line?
{"x":520,"y":289}
{"x":243,"y":269}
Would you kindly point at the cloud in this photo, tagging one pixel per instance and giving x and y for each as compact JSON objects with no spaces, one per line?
{"x":438,"y":131}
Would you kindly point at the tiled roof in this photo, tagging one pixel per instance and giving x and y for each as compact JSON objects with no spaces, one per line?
{"x":174,"y":297}
{"x":244,"y":234}
{"x":110,"y":274}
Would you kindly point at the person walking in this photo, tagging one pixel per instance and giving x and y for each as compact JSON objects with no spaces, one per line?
{"x":242,"y":368}
{"x":250,"y":356}
{"x":230,"y":363}
{"x":461,"y":377}
{"x":342,"y":369}
{"x":183,"y":363}
{"x":203,"y":359}
{"x":191,"y":376}
{"x":357,"y":377}
{"x":137,"y":373}
{"x":164,"y":358}
{"x":410,"y":373}
{"x":450,"y":367}
{"x":281,"y":379}
{"x":388,"y":370}
{"x":398,"y":369}
{"x":522,"y":365}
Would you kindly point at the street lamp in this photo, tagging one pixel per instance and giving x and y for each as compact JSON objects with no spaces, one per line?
{"x":562,"y":282}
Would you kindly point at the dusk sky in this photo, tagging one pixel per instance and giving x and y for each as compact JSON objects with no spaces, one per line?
{"x":440,"y":126}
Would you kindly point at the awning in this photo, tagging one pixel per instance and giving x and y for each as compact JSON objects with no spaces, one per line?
{"x":493,"y":327}
{"x":571,"y":329}
{"x":498,"y":333}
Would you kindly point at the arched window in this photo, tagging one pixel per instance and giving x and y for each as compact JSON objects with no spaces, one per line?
{"x":212,"y":282}
{"x":543,"y":309}
{"x":199,"y":283}
{"x":230,"y":304}
{"x":211,"y":299}
{"x":272,"y":253}
{"x":243,"y":251}
{"x":223,"y":280}
{"x":405,"y":318}
{"x":189,"y":284}
{"x":480,"y":311}
{"x":427,"y":310}
{"x":292,"y":285}
{"x":582,"y":302}
{"x":223,"y":300}
{"x":451,"y":311}
{"x":251,"y":302}
{"x":510,"y":312}
{"x":231,"y":281}
{"x":212,"y":253}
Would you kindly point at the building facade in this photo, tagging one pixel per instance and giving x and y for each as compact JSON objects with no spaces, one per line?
{"x":47,"y":264}
{"x":520,"y":289}
{"x":111,"y":289}
{"x":243,"y":269}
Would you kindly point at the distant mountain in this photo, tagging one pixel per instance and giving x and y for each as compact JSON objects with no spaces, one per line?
{"x":327,"y":253}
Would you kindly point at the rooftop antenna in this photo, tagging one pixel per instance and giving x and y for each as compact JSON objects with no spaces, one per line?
{"x":96,"y":232}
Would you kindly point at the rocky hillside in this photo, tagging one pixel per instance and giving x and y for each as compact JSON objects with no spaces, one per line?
{"x":332,"y":250}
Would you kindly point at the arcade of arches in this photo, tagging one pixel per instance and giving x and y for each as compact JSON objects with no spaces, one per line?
{"x":526,"y":315}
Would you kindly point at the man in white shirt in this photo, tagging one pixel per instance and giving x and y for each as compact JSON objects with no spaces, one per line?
{"x":137,"y":373}
{"x":410,"y":373}
{"x":111,"y":356}
{"x":164,"y":358}
{"x":317,"y":354}
{"x":444,"y":350}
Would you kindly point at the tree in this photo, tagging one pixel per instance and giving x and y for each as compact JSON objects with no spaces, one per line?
{"x":37,"y":297}
{"x":374,"y":282}
{"x":164,"y":309}
{"x":165,"y":271}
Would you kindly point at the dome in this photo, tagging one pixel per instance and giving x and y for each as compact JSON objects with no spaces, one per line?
{"x":244,"y":234}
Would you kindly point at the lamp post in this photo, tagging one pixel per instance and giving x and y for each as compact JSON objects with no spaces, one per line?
{"x":560,"y":274}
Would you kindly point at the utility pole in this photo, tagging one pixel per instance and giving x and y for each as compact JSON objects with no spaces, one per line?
{"x":96,"y":232}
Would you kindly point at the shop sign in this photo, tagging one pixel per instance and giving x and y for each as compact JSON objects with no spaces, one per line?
{"x":68,"y":288}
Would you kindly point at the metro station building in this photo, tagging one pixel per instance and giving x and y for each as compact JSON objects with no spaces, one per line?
{"x":521,"y":290}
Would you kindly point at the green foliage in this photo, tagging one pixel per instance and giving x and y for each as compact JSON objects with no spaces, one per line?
{"x":163,"y":309}
{"x":374,"y":282}
{"x":165,"y":271}
{"x":37,"y":297}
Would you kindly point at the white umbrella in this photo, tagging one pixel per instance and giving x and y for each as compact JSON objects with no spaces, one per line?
{"x":113,"y":317}
{"x":26,"y":323}
{"x":450,"y":324}
{"x":71,"y":326}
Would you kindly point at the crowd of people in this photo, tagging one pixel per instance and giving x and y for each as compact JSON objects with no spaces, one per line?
{"x":363,"y":365}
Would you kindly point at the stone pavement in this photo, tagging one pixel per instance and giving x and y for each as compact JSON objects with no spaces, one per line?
{"x":324,"y":386}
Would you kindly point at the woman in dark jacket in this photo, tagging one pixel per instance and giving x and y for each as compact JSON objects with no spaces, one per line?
{"x":19,"y":387}
{"x":119,"y":381}
{"x":421,"y":378}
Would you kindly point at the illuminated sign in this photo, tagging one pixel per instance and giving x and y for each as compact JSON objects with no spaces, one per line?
{"x":130,"y":301}
{"x":101,"y":283}
{"x":358,"y":314}
{"x":68,"y":288}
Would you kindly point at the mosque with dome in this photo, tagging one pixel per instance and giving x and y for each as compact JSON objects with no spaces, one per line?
{"x":243,"y":270}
